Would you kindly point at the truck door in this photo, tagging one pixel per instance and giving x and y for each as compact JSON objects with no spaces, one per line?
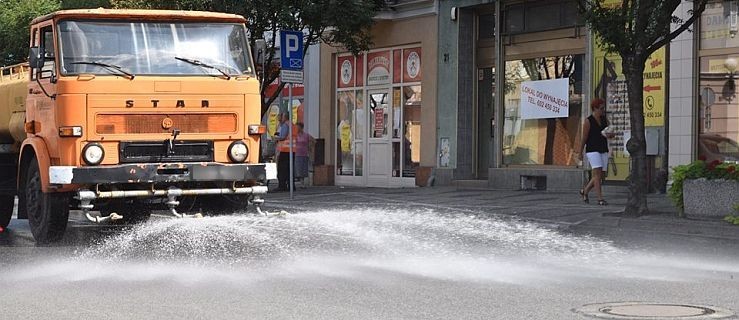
{"x":42,"y":89}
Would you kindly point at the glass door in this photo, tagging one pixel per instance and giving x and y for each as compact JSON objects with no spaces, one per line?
{"x":378,"y":143}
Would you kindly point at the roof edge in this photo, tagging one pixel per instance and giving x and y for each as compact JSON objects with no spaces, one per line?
{"x":101,"y":13}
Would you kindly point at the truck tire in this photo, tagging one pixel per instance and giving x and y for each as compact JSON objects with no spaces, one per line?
{"x":6,"y":209}
{"x":47,"y":212}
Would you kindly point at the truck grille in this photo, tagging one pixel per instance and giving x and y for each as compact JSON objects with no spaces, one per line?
{"x":152,"y":123}
{"x":156,"y":151}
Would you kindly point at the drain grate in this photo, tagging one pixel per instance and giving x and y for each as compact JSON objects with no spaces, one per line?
{"x":653,"y":311}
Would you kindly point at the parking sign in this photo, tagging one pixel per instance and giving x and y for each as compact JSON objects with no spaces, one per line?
{"x":291,"y":56}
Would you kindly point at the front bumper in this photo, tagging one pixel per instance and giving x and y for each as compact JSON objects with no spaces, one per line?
{"x":162,"y":172}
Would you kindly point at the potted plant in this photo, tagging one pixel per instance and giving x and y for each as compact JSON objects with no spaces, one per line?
{"x":705,"y":189}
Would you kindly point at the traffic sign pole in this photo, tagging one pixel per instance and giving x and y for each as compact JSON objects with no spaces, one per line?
{"x":290,"y":116}
{"x":291,"y":65}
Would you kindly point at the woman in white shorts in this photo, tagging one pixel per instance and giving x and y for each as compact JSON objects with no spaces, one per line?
{"x":595,"y":144}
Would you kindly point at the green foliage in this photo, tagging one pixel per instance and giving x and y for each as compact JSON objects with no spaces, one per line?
{"x":15,"y":18}
{"x":204,"y":5}
{"x":696,"y":170}
{"x":85,"y":4}
{"x":733,"y":218}
{"x":636,"y":27}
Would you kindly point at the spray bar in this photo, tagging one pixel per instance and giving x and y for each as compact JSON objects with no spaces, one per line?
{"x":86,"y":197}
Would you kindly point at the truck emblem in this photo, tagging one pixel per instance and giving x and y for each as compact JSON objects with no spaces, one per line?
{"x":167,"y":123}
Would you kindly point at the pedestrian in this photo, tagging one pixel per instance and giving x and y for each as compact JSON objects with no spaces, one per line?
{"x":595,"y":134}
{"x":282,"y":151}
{"x":303,"y":141}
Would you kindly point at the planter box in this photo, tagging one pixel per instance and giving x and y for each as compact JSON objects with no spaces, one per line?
{"x":703,"y":197}
{"x":323,"y":175}
{"x":422,"y":176}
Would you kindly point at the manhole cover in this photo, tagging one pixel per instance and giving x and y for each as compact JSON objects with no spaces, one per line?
{"x":653,"y":311}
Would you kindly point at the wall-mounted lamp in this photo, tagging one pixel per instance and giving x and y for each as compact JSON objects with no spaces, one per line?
{"x":731,"y":64}
{"x":453,"y":14}
{"x":728,"y":92}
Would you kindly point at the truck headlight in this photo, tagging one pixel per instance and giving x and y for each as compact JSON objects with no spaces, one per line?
{"x":238,"y":151}
{"x":93,"y":154}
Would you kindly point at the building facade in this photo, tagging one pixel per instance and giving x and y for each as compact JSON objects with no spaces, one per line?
{"x":494,"y":93}
{"x":380,"y":106}
{"x":493,"y":50}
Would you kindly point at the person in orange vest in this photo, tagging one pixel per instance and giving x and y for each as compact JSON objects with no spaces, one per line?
{"x":283,"y":152}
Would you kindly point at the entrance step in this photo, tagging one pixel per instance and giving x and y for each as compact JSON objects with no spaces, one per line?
{"x":482,"y":184}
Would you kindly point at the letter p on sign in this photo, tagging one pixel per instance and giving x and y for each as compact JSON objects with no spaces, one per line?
{"x":291,"y":50}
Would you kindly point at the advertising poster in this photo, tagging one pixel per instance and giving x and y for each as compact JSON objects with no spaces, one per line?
{"x":609,"y":84}
{"x":545,"y":99}
{"x":379,"y":122}
{"x":345,"y":78}
{"x":412,"y":65}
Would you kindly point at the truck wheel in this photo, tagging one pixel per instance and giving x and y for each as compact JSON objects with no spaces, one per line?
{"x":47,"y":212}
{"x":6,"y":210}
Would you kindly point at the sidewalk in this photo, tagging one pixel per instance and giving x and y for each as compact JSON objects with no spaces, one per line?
{"x":562,"y":210}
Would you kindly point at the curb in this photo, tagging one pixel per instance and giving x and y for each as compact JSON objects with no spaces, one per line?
{"x":707,"y":230}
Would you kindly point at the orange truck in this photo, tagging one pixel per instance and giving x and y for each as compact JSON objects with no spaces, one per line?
{"x":120,"y":112}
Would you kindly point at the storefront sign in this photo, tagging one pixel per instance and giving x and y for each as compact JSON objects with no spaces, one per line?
{"x":379,"y":122}
{"x":378,"y":68}
{"x":545,"y":99}
{"x":719,"y":65}
{"x":412,"y":61}
{"x":717,"y":29}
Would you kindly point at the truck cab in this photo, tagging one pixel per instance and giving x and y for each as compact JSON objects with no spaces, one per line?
{"x":138,"y":106}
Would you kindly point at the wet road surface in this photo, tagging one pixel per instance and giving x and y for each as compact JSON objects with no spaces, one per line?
{"x":351,"y":260}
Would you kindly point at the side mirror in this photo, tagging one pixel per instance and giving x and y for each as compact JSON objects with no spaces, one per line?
{"x":36,"y":57}
{"x":260,"y":51}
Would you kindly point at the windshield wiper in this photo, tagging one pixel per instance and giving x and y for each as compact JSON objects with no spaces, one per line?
{"x":107,"y":66}
{"x":204,"y":65}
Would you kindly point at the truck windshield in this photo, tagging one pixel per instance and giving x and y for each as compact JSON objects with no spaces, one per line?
{"x":153,"y":48}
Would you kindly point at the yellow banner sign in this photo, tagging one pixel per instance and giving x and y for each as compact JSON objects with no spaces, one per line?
{"x":609,"y":84}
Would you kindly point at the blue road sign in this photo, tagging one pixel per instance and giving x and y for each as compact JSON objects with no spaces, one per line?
{"x":291,"y":50}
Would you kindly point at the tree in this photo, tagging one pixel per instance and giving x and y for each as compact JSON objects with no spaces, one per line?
{"x":15,"y":18}
{"x":343,"y":23}
{"x":635,"y":29}
{"x":84,"y":4}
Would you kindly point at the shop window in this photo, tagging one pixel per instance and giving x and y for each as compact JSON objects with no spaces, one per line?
{"x":718,"y":127}
{"x":720,"y":25}
{"x":514,"y":19}
{"x":486,"y":26}
{"x":411,"y":139}
{"x":541,"y":16}
{"x":543,"y":106}
{"x":349,"y":133}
